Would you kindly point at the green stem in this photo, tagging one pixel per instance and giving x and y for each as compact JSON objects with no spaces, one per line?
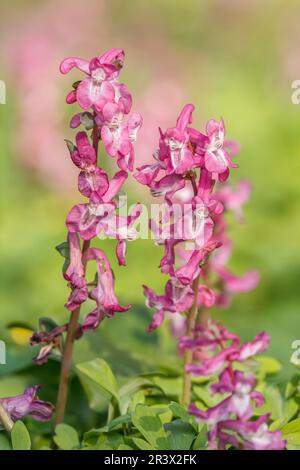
{"x":5,"y":420}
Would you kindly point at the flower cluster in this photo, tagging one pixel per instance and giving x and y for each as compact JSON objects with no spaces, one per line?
{"x":230,"y":422}
{"x":27,"y":404}
{"x":104,"y":104}
{"x":190,"y":171}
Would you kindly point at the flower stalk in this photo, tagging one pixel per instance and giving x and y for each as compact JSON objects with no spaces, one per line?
{"x":194,"y":232}
{"x":5,"y":420}
{"x":67,"y":354}
{"x":105,"y":104}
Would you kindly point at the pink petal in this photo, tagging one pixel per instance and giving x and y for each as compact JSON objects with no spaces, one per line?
{"x":83,"y":94}
{"x":71,"y":62}
{"x":115,"y":185}
{"x":121,"y":252}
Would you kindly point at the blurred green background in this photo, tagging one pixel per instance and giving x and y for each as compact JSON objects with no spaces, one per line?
{"x":235,"y":59}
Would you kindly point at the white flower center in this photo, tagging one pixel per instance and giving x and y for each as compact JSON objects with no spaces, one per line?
{"x":98,"y":75}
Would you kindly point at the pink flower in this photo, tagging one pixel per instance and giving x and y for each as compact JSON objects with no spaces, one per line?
{"x":209,"y":336}
{"x":176,"y":298}
{"x":75,"y":274}
{"x":249,"y":435}
{"x":92,"y":320}
{"x":174,"y":150}
{"x":238,"y":403}
{"x":100,"y":86}
{"x":234,"y":200}
{"x":191,"y":269}
{"x":118,"y":137}
{"x":103,"y":293}
{"x":27,"y":404}
{"x":122,"y":228}
{"x":230,"y":283}
{"x":212,"y":365}
{"x":167,"y":186}
{"x":88,"y":219}
{"x":91,"y":178}
{"x":146,"y":174}
{"x":212,"y":146}
{"x":252,"y":348}
{"x":50,"y":339}
{"x":215,"y":364}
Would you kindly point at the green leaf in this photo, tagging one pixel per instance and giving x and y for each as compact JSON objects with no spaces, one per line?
{"x":273,"y":403}
{"x":293,"y":386}
{"x":291,"y":432}
{"x":120,"y":420}
{"x":141,"y":444}
{"x":20,"y":437}
{"x":97,"y":379}
{"x":150,"y":425}
{"x":70,"y":145}
{"x":64,"y":250}
{"x":180,"y":412}
{"x":4,"y":442}
{"x":163,"y":411}
{"x":111,"y":441}
{"x":201,"y":440}
{"x":137,"y":399}
{"x":130,"y":389}
{"x":268,"y":365}
{"x":47,"y":324}
{"x":290,"y":409}
{"x":180,"y":435}
{"x":66,"y":437}
{"x":87,"y":120}
{"x":171,"y":386}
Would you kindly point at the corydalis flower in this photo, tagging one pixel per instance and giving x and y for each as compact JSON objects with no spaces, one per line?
{"x":230,"y":420}
{"x":222,"y":354}
{"x":118,"y":137}
{"x":213,"y":152}
{"x":103,"y":293}
{"x":50,"y":340}
{"x":87,"y":218}
{"x":27,"y":404}
{"x":75,"y":274}
{"x":174,"y":151}
{"x":177,"y":298}
{"x":91,"y":179}
{"x":238,"y":403}
{"x":100,"y":86}
{"x":249,"y":435}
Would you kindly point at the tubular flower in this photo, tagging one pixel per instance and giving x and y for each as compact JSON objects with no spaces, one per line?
{"x":218,"y":351}
{"x":100,"y":85}
{"x":177,"y":298}
{"x":190,"y":166}
{"x":104,"y":115}
{"x":189,"y":173}
{"x":27,"y":404}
